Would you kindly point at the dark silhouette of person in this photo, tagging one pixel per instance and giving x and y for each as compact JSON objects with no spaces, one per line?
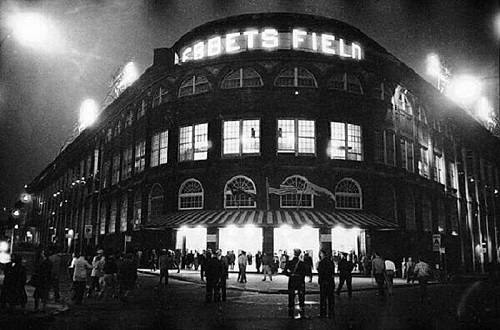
{"x":326,"y":280}
{"x":296,"y":271}
{"x":13,"y":291}
{"x":345,"y":271}
{"x":213,"y":273}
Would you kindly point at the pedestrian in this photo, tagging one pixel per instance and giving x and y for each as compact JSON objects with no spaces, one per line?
{"x":96,"y":274}
{"x":222,"y":283}
{"x":196,"y":260}
{"x":326,"y":280}
{"x":42,"y":281}
{"x":81,"y":265}
{"x":14,"y":282}
{"x":108,"y":284}
{"x":163,"y":264}
{"x":422,"y":271}
{"x":55,"y":259}
{"x":390,"y":272}
{"x":190,"y":260}
{"x":127,"y":276}
{"x":267,"y":265}
{"x":153,"y":260}
{"x":178,"y":257}
{"x":242,"y":266}
{"x":409,"y":268}
{"x":367,"y":266}
{"x":213,"y":274}
{"x":308,"y":261}
{"x":258,"y":261}
{"x":231,"y":259}
{"x":345,"y":267}
{"x":296,"y":271}
{"x":138,"y":255}
{"x":378,"y":272}
{"x":71,"y":266}
{"x":283,"y":260}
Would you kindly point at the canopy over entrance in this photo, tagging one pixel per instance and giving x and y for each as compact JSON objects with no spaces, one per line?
{"x":276,"y":218}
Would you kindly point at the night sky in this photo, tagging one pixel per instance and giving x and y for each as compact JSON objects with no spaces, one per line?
{"x":41,"y":89}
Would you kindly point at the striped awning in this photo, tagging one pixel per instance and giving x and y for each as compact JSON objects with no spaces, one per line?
{"x":277,"y":218}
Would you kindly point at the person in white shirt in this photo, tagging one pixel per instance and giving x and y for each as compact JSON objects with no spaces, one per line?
{"x":390,"y":271}
{"x":80,"y":277}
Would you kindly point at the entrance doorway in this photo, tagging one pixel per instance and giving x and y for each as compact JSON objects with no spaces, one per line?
{"x":191,"y":239}
{"x":237,"y":239}
{"x":305,"y":238}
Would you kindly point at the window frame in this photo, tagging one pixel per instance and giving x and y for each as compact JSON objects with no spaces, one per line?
{"x":347,"y":143}
{"x":159,"y":154}
{"x":241,"y":138}
{"x":340,"y":194}
{"x":296,"y":136}
{"x":303,"y":189}
{"x":228,"y":192}
{"x":140,"y":156}
{"x":345,"y":83}
{"x":191,"y":150}
{"x":241,"y":79}
{"x":297,"y":78}
{"x":194,"y":84}
{"x":200,"y":194}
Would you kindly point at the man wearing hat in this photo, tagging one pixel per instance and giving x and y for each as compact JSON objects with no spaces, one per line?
{"x":97,"y":272}
{"x":163,"y":263}
{"x":296,"y":271}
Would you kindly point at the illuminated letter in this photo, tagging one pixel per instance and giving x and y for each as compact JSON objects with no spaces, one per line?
{"x":270,"y":38}
{"x":314,"y":42}
{"x":342,"y":50}
{"x":250,"y":37}
{"x":297,"y":37}
{"x":214,"y":46}
{"x":356,"y":51}
{"x":185,"y":54}
{"x":198,"y":53}
{"x":327,"y":43}
{"x":231,"y":45}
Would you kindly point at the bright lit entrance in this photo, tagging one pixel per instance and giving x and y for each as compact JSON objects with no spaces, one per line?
{"x":345,"y":240}
{"x":305,"y":238}
{"x":191,"y":239}
{"x":248,"y":239}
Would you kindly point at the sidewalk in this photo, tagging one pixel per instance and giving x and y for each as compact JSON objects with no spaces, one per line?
{"x":278,"y":285}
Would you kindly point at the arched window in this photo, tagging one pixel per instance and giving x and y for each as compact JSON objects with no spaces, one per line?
{"x":242,"y":77}
{"x":123,"y":214}
{"x":137,"y":218}
{"x":383,"y":91}
{"x":155,"y":204}
{"x":345,"y":82}
{"x":191,"y":195}
{"x":348,"y":195}
{"x":240,"y":192}
{"x":297,"y":194}
{"x":296,"y":77}
{"x":194,"y":85}
{"x":410,"y":210}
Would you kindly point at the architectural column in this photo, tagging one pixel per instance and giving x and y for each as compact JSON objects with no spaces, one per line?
{"x":493,"y":210}
{"x":479,"y":210}
{"x":268,"y":240}
{"x":325,"y":239}
{"x":460,"y":219}
{"x":486,"y":208}
{"x":212,"y":238}
{"x":469,"y":206}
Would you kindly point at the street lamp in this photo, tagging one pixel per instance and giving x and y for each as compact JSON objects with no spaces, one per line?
{"x":31,"y":30}
{"x":464,"y":89}
{"x":88,"y":113}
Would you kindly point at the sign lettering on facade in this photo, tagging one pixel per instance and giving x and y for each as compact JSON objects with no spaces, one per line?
{"x":269,"y":39}
{"x":88,"y":231}
{"x":436,"y":242}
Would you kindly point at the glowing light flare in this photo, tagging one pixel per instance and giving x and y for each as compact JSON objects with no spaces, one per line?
{"x":16,"y":213}
{"x":128,"y":76}
{"x":464,"y":89}
{"x":484,"y":109}
{"x":33,"y":30}
{"x":25,"y":198}
{"x":433,"y":65}
{"x":4,"y":246}
{"x":88,"y":113}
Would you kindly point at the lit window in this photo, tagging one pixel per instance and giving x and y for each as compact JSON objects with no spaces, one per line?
{"x":296,"y":136}
{"x":141,"y":109}
{"x":140,"y":156}
{"x":345,"y":141}
{"x":296,"y":77}
{"x":193,"y":142}
{"x":160,"y":97}
{"x":155,"y":204}
{"x":407,"y":155}
{"x":105,"y":174}
{"x":102,"y":219}
{"x":191,"y":195}
{"x":136,"y":221}
{"x":240,"y":192}
{"x":385,"y":148}
{"x":243,"y":77}
{"x":298,"y":197}
{"x":112,"y":217}
{"x":127,"y":163}
{"x":115,"y":174}
{"x":194,"y":85}
{"x":402,"y":102}
{"x":348,"y":195}
{"x":159,"y":148}
{"x":109,"y":134}
{"x":123,"y":214}
{"x":345,"y":82}
{"x":241,"y":137}
{"x":439,"y":174}
{"x":423,"y":162}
